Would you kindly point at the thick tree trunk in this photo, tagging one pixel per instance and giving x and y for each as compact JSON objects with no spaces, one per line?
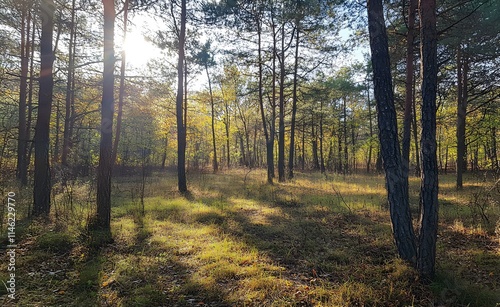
{"x":107,"y":107}
{"x":429,"y":185}
{"x":42,"y":182}
{"x":388,"y":134}
{"x":181,"y":124}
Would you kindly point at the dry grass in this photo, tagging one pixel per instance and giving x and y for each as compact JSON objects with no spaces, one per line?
{"x":236,"y":241}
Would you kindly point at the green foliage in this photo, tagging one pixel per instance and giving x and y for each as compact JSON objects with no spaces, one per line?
{"x":56,"y":242}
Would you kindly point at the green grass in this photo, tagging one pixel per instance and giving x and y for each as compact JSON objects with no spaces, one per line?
{"x":236,"y":241}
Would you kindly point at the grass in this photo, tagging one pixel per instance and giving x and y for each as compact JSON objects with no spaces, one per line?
{"x":236,"y":241}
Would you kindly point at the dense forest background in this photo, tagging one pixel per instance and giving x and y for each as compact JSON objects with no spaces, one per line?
{"x":227,"y":89}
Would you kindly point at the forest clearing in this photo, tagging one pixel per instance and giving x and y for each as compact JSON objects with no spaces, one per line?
{"x":236,"y":241}
{"x":250,"y":153}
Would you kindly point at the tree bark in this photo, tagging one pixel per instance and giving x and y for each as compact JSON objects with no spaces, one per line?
{"x":410,"y":36}
{"x":42,"y":182}
{"x":388,"y":134}
{"x":212,"y":108}
{"x":121,"y":91}
{"x":281,"y":129}
{"x":107,"y":107}
{"x":22,"y":141}
{"x":291,"y":153}
{"x":461,"y":116}
{"x":429,"y":184}
{"x":181,"y":124}
{"x":69,"y":89}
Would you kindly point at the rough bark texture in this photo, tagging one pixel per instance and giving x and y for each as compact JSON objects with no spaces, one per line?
{"x":181,"y":124}
{"x":107,"y":107}
{"x":429,"y":184}
{"x":388,"y":134}
{"x":42,"y":184}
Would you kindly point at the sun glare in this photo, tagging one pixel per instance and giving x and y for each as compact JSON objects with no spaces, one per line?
{"x":138,"y":50}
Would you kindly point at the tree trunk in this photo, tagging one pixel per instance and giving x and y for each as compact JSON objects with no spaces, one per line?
{"x":344,"y":134}
{"x":321,"y":155}
{"x":291,"y":152}
{"x":212,"y":108}
{"x":408,"y":89}
{"x":22,"y":166}
{"x":388,"y":134}
{"x":269,"y":151}
{"x":494,"y":156}
{"x":69,"y":89}
{"x":107,"y":107}
{"x":42,"y":183}
{"x":370,"y":125}
{"x":281,"y":137}
{"x":415,"y":135}
{"x":121,"y":91}
{"x":429,"y":185}
{"x":461,"y":116}
{"x":181,"y":124}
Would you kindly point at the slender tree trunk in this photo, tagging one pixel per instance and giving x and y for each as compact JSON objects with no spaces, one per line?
{"x":410,"y":36}
{"x":370,"y":125}
{"x":388,"y":134}
{"x":429,"y":185}
{"x":291,"y":153}
{"x":494,"y":156}
{"x":269,"y":154}
{"x":281,"y":137}
{"x":415,"y":135}
{"x":107,"y":107}
{"x":321,"y":134}
{"x":121,"y":91}
{"x":212,"y":108}
{"x":314,"y":136}
{"x":22,"y":166}
{"x":344,"y":134}
{"x":181,"y":124}
{"x":462,"y":72}
{"x":69,"y":89}
{"x":272,"y":130}
{"x":42,"y":182}
{"x":29,"y":143}
{"x":303,"y":159}
{"x":55,"y":154}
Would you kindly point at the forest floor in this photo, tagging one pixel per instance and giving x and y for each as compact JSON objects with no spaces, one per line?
{"x":236,"y":241}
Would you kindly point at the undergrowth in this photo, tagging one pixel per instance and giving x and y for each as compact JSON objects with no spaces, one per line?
{"x":237,"y":241}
